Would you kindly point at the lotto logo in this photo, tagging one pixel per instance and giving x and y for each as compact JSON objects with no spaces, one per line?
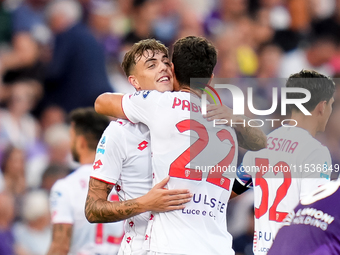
{"x":142,"y":145}
{"x":128,"y":240}
{"x":146,"y":237}
{"x":131,"y":224}
{"x":97,"y":164}
{"x":151,"y":217}
{"x":118,"y":188}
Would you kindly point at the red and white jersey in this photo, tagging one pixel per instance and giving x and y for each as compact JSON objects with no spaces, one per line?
{"x":67,"y":202}
{"x":193,"y":152}
{"x":292,"y":166}
{"x":124,"y":159}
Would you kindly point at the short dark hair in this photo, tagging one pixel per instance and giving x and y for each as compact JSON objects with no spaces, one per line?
{"x":138,"y":49}
{"x":89,"y":124}
{"x":321,"y":87}
{"x":193,"y":57}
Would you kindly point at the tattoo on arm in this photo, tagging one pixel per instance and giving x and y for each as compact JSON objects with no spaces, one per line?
{"x":99,"y":210}
{"x":251,"y":138}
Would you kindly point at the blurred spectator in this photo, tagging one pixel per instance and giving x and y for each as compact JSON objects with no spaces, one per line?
{"x":269,"y":56}
{"x":189,"y":24}
{"x":55,"y":151}
{"x":226,"y":13}
{"x":29,"y":33}
{"x":315,"y":56}
{"x":17,"y":126}
{"x":144,"y":13}
{"x":52,"y":115}
{"x":100,"y":23}
{"x":166,"y":25}
{"x":77,"y":73}
{"x":34,"y":234}
{"x":13,"y":169}
{"x":53,"y":173}
{"x":57,"y":139}
{"x":329,"y":26}
{"x":6,"y":218}
{"x":278,"y":13}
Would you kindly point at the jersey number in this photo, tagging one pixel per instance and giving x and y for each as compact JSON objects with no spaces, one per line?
{"x":263,"y":165}
{"x":178,"y":169}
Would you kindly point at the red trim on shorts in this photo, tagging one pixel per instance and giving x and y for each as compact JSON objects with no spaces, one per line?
{"x":121,"y":103}
{"x":102,"y":180}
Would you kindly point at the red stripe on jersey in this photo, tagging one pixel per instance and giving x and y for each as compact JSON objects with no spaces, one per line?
{"x":115,"y":240}
{"x":102,"y":180}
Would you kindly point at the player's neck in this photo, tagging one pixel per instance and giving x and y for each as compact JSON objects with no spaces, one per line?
{"x":196,"y":92}
{"x":306,"y":122}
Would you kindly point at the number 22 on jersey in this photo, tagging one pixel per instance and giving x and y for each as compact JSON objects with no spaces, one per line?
{"x":178,"y":167}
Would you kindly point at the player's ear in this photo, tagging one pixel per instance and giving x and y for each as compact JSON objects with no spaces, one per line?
{"x":321,"y":107}
{"x":172,"y":68}
{"x":134,"y":82}
{"x":82,"y":142}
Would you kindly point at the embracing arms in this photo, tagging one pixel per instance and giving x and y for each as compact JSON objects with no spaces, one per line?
{"x":158,"y":199}
{"x":250,"y":138}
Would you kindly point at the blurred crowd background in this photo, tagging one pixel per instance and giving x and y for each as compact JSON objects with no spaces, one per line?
{"x":56,"y":56}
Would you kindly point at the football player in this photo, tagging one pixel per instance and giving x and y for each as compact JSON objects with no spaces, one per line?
{"x":294,"y":162}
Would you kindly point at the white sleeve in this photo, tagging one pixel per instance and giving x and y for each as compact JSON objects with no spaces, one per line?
{"x":60,"y":204}
{"x":141,"y":106}
{"x":110,"y":154}
{"x":316,"y":170}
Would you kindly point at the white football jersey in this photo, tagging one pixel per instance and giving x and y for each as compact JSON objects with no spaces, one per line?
{"x":124,"y":159}
{"x":193,"y":152}
{"x":67,"y":202}
{"x":293,"y":165}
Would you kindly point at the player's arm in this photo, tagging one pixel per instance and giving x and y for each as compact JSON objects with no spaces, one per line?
{"x":158,"y":199}
{"x":61,"y":239}
{"x":110,"y":104}
{"x":250,"y":138}
{"x":62,"y":219}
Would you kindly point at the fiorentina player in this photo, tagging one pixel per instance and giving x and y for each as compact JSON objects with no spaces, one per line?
{"x":72,"y":234}
{"x":314,"y":225}
{"x":181,"y":142}
{"x":294,"y":162}
{"x":123,"y":157}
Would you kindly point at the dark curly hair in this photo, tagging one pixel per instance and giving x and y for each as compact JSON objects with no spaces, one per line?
{"x":194,"y":57}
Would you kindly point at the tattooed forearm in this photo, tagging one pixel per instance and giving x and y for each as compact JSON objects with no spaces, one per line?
{"x":99,"y":210}
{"x":250,"y":138}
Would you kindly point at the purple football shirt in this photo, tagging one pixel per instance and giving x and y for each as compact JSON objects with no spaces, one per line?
{"x":314,"y":226}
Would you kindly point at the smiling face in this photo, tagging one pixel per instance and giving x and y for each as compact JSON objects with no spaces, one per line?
{"x":152,"y":72}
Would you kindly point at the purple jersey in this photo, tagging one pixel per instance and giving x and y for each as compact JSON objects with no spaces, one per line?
{"x":313,"y":228}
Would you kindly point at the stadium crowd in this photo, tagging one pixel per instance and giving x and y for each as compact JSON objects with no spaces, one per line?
{"x":57,"y":57}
